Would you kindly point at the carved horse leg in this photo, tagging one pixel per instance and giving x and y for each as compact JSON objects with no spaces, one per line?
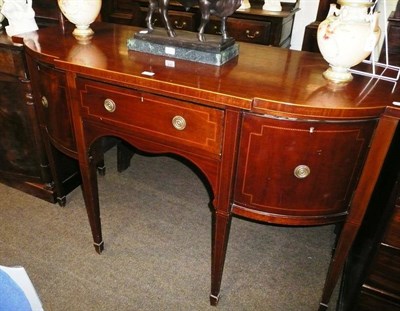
{"x":225,"y":35}
{"x":163,"y":5}
{"x":153,"y":4}
{"x":205,"y":17}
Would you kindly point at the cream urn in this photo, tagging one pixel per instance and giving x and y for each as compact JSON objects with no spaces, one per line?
{"x":82,"y":13}
{"x":346,"y":37}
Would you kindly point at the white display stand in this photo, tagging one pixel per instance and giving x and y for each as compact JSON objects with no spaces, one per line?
{"x":383,"y":71}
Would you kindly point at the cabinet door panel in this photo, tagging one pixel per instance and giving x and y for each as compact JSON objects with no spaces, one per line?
{"x":52,"y":93}
{"x":326,"y":157}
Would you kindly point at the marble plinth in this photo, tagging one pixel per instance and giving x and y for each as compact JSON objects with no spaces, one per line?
{"x":185,"y":46}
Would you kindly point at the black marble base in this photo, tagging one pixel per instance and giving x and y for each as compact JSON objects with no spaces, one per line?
{"x":185,"y":46}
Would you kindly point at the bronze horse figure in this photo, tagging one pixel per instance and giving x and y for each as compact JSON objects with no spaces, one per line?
{"x":220,"y":8}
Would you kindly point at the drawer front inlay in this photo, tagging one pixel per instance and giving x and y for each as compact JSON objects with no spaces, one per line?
{"x":159,"y":118}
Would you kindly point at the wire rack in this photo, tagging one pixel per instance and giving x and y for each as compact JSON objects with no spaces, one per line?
{"x":380,"y":70}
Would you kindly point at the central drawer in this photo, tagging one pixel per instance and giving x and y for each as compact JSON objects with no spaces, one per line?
{"x":158,"y":118}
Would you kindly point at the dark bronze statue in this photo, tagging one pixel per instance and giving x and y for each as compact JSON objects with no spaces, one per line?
{"x":220,"y":8}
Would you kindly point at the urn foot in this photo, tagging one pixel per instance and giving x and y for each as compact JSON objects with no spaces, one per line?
{"x":83,"y":33}
{"x":338,"y":75}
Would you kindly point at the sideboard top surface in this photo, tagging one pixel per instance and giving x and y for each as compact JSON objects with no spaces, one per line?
{"x":263,"y":79}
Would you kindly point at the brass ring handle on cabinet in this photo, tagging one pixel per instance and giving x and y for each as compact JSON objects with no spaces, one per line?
{"x":110,"y":105}
{"x":254,"y":35}
{"x":45,"y":102}
{"x":301,"y":171}
{"x":183,"y":25}
{"x":179,"y":123}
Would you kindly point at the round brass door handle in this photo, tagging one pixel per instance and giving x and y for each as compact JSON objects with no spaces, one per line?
{"x":45,"y":103}
{"x":179,"y":123}
{"x":110,"y":105}
{"x":301,"y":171}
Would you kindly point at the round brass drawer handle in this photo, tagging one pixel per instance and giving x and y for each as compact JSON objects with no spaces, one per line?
{"x":45,"y":102}
{"x":110,"y":105}
{"x":179,"y":123}
{"x":301,"y":171}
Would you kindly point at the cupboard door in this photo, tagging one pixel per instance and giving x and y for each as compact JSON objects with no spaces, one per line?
{"x":55,"y":122}
{"x":53,"y":109}
{"x":301,"y":172}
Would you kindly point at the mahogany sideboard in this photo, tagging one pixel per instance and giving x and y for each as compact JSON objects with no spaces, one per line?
{"x":276,"y":142}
